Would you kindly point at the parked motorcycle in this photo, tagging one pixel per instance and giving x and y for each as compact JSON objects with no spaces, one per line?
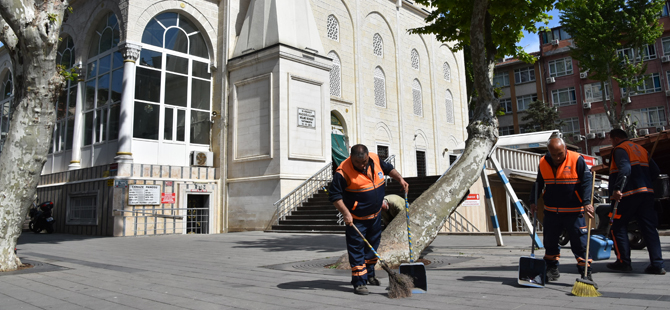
{"x":41,"y":217}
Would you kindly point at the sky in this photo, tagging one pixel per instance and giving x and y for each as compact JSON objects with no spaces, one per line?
{"x":531,"y":41}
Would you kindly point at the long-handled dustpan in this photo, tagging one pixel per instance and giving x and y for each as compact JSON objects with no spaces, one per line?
{"x":601,"y":245}
{"x":417,"y":271}
{"x":532,"y":271}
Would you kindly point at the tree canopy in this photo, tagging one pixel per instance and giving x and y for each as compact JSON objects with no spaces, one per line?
{"x":610,"y":38}
{"x":542,"y":116}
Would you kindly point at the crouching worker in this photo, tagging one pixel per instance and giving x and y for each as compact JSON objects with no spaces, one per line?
{"x":357,"y":191}
{"x":566,"y":196}
{"x":391,"y":207}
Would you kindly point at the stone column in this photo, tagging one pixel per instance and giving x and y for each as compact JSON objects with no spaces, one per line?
{"x":131,"y":52}
{"x":75,"y":162}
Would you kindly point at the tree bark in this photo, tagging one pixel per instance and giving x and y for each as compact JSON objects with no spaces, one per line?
{"x":430,"y":211}
{"x":30,"y":31}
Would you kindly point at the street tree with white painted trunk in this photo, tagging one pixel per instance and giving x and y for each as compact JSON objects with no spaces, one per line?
{"x":29,"y":30}
{"x":491,"y":28}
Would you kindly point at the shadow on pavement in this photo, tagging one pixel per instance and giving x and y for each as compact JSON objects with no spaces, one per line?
{"x":317,"y":285}
{"x":311,"y":243}
{"x":28,"y":237}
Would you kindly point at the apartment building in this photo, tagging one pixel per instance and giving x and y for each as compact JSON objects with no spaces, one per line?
{"x":561,"y":83}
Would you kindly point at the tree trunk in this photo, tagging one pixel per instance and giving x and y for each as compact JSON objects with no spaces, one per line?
{"x":430,"y":211}
{"x":30,"y":32}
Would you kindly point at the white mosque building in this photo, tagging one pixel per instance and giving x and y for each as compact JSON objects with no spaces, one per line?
{"x":215,"y":109}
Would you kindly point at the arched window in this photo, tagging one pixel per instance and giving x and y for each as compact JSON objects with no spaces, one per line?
{"x":380,"y":88}
{"x":450,"y":107}
{"x":5,"y":106}
{"x":415,"y":59}
{"x":447,"y":71}
{"x":173,"y":82}
{"x":333,"y":28}
{"x":416,"y":98}
{"x":335,"y":76}
{"x":378,"y":45}
{"x":67,"y":101}
{"x":104,"y":78}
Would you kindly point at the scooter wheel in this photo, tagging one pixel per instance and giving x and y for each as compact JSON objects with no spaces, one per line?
{"x":636,"y":241}
{"x":32,"y":227}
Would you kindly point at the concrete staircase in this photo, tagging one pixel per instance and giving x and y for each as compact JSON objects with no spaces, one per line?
{"x":318,"y":215}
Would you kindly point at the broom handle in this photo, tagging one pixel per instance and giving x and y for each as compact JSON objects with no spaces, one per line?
{"x":588,"y":226}
{"x":368,"y":243}
{"x":616,"y":204}
{"x":532,"y":245}
{"x":409,"y":231}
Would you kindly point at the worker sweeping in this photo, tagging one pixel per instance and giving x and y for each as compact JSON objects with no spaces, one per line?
{"x":357,"y":191}
{"x":636,"y":200}
{"x":566,"y":196}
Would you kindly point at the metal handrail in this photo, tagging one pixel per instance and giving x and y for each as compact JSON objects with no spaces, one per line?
{"x":300,"y":194}
{"x":456,"y":221}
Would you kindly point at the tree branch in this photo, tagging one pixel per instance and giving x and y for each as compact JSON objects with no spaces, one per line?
{"x":14,"y":13}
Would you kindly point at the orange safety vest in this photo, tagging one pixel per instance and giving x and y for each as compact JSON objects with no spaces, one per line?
{"x":364,"y":194}
{"x":562,"y":191}
{"x":639,"y":180}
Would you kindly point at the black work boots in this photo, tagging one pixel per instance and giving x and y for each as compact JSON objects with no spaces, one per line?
{"x":373,"y":281}
{"x":361,"y":290}
{"x":553,"y":274}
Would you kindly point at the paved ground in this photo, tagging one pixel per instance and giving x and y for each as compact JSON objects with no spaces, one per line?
{"x":257,"y":270}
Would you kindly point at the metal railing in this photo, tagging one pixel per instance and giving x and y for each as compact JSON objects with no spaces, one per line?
{"x":168,"y":220}
{"x":300,"y":194}
{"x":516,"y":159}
{"x":458,"y":223}
{"x":521,"y":224}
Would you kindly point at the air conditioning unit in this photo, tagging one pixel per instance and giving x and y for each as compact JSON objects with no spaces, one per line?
{"x":665,"y":58}
{"x":643,"y":132}
{"x":583,"y":75}
{"x":550,"y":80}
{"x":660,"y":128}
{"x":578,"y":138}
{"x":667,"y":92}
{"x":627,"y":100}
{"x":554,"y":42}
{"x":590,"y":136}
{"x":586,"y":105}
{"x":202,"y":159}
{"x":601,"y":135}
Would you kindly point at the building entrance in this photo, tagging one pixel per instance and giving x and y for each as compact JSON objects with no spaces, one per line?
{"x":197,"y":214}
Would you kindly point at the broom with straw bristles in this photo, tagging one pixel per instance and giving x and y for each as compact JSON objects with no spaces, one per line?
{"x":584,"y":287}
{"x":400,"y":285}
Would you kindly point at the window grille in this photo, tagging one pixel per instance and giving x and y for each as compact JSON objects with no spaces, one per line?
{"x":415,"y":59}
{"x":382,"y":152}
{"x":335,"y":76}
{"x":416,"y":97}
{"x":378,"y":45}
{"x":447,"y":71}
{"x":333,"y":28}
{"x":450,"y":107}
{"x":380,"y":88}
{"x":82,"y":209}
{"x":421,"y":163}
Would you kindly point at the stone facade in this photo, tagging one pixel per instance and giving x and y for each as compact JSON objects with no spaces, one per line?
{"x":167,"y":58}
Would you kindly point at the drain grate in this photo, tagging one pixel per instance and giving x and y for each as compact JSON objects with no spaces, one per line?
{"x":37,"y":268}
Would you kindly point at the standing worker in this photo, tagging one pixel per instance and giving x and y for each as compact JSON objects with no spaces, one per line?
{"x":357,"y":191}
{"x":636,"y":199}
{"x":566,"y":196}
